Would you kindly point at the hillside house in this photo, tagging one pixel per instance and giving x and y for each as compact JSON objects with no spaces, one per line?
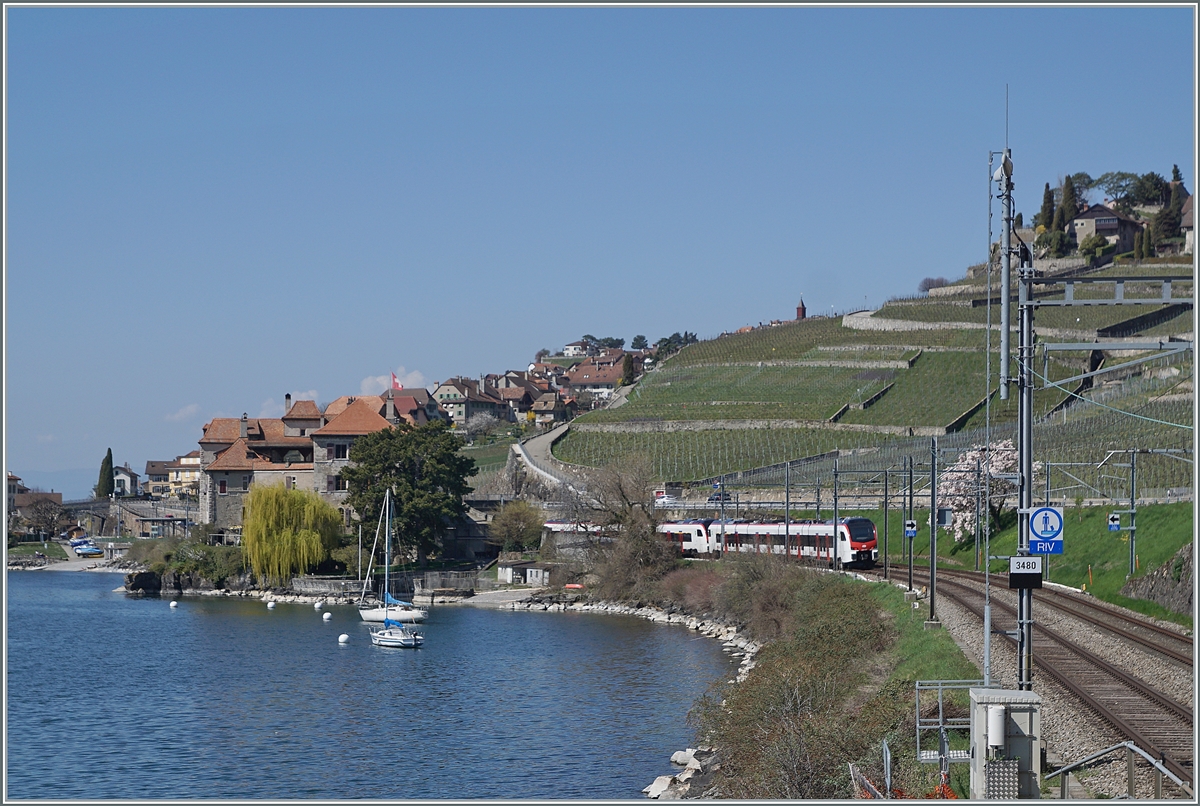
{"x":579,"y":349}
{"x":550,"y":410}
{"x":1116,"y":228}
{"x":125,"y":481}
{"x":235,"y":453}
{"x":157,"y":478}
{"x":598,"y":380}
{"x":463,"y":398}
{"x":1185,"y":226}
{"x":15,"y":487}
{"x":183,"y":475}
{"x":332,"y":443}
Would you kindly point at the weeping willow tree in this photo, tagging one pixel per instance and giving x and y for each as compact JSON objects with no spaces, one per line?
{"x":286,"y":532}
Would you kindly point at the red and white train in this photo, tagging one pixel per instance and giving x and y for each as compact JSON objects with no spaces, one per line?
{"x":856,"y":543}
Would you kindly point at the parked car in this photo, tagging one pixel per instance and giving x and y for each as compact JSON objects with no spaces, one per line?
{"x":717,"y":498}
{"x":666,"y":501}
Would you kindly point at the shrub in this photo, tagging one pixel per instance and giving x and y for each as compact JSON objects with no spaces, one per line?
{"x":692,"y":588}
{"x":1092,"y":246}
{"x":1055,"y":242}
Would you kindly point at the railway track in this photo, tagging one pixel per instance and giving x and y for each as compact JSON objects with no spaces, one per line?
{"x":1138,"y":631}
{"x":1134,"y":708}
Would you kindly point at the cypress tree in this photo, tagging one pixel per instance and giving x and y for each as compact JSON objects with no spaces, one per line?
{"x":1148,"y":240}
{"x":1070,"y":201}
{"x":1137,"y":246}
{"x":1058,"y":224}
{"x":1046,"y":216}
{"x":105,"y":485}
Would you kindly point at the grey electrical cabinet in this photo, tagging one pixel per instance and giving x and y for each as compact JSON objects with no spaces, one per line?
{"x":1006,"y":744}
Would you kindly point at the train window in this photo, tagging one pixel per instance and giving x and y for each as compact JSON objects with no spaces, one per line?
{"x":861,"y":529}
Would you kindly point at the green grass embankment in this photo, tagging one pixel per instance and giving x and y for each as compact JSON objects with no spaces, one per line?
{"x":1093,"y":557}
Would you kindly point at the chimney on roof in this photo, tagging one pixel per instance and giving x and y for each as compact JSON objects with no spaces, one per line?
{"x":243,"y":425}
{"x":287,"y":402}
{"x":391,"y":408}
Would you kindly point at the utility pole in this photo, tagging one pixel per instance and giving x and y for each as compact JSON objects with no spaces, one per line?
{"x":1132,"y":513}
{"x":933,"y":528}
{"x":1025,"y":446}
{"x":1003,"y":175}
{"x":885,"y":523}
{"x":978,"y":491}
{"x":836,"y":553}
{"x":787,"y":510}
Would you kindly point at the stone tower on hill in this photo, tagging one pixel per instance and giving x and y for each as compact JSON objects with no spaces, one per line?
{"x":801,"y":311}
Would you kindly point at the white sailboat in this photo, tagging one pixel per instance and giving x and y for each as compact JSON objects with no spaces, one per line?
{"x":392,"y":633}
{"x":389,"y":607}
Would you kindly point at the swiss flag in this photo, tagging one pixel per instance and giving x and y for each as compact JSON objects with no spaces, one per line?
{"x":396,"y":382}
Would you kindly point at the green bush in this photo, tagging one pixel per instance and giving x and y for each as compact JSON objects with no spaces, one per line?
{"x":1093,"y":246}
{"x":1058,"y":243}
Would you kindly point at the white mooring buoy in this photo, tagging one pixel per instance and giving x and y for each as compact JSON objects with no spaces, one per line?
{"x":316,"y":605}
{"x":327,"y":616}
{"x":270,"y":605}
{"x":174,"y":604}
{"x":343,"y":638}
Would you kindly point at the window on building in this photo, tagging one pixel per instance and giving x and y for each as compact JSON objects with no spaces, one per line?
{"x":340,"y":483}
{"x":221,"y":487}
{"x":340,"y":451}
{"x":330,"y":483}
{"x":245,"y":482}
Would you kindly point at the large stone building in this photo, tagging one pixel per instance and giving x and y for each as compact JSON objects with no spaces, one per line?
{"x":306,"y":449}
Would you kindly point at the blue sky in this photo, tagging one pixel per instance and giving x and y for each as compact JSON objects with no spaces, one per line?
{"x":207,"y":208}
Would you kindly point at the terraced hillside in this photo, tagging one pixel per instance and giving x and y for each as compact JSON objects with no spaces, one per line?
{"x":878,"y":380}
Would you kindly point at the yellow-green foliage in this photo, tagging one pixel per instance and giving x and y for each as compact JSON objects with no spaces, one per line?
{"x":287,"y":531}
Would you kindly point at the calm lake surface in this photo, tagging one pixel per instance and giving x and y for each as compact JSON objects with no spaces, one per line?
{"x":115,"y":697}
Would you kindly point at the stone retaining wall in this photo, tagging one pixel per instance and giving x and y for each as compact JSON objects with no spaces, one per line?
{"x":671,"y":426}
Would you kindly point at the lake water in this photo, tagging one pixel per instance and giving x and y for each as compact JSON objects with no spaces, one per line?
{"x":115,"y":697}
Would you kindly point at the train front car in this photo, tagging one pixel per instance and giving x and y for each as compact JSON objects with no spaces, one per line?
{"x":862,"y":548}
{"x":691,"y":538}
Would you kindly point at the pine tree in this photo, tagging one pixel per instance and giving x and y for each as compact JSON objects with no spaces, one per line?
{"x":1017,"y":221}
{"x":105,"y":484}
{"x":1046,"y":216}
{"x":1176,"y":176}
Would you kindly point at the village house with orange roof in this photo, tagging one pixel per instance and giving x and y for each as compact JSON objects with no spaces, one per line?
{"x":306,"y":449}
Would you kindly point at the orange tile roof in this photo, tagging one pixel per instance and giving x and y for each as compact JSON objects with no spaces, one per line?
{"x":360,"y":417}
{"x":303,"y":410}
{"x":239,"y":456}
{"x":342,"y":403}
{"x":258,"y":431}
